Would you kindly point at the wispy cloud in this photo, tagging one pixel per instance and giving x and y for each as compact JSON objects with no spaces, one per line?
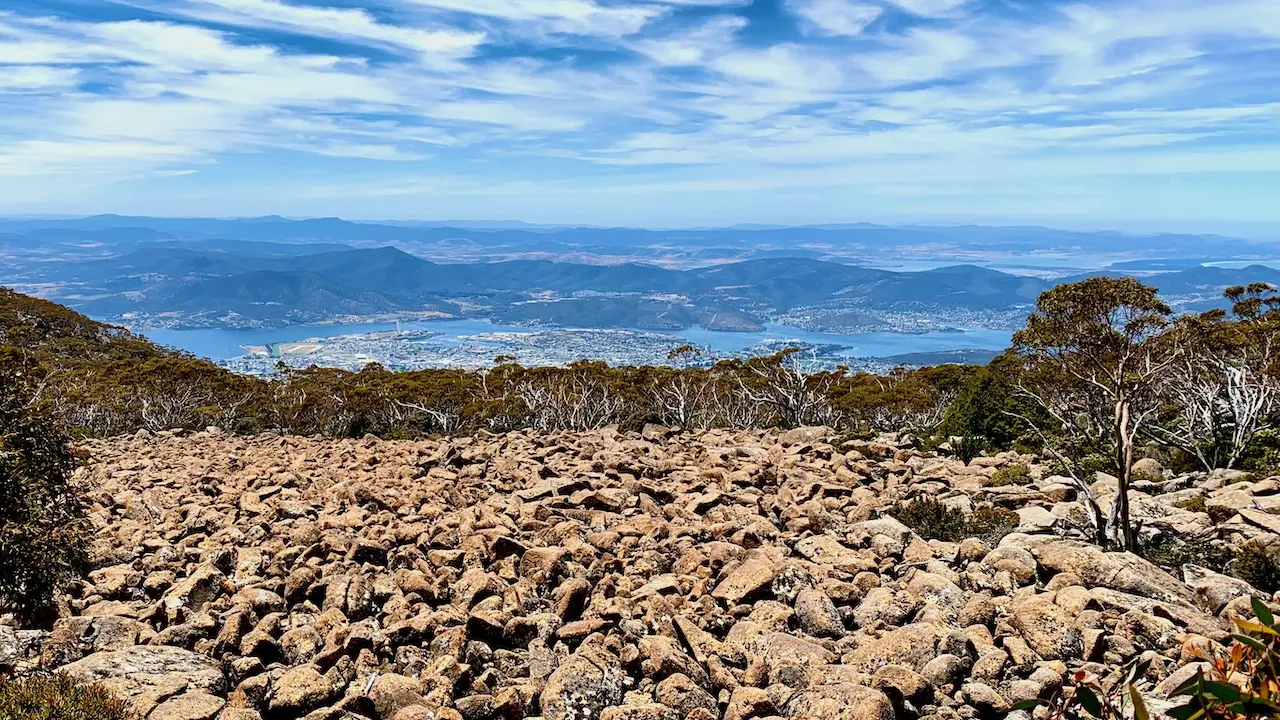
{"x":608,"y":96}
{"x":837,"y":17}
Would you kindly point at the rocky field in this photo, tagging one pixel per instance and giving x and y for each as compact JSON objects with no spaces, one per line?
{"x":654,"y":576}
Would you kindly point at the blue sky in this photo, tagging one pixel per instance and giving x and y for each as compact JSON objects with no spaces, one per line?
{"x":1131,"y":114}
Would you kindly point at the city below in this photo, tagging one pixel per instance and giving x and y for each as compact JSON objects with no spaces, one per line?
{"x":418,"y":348}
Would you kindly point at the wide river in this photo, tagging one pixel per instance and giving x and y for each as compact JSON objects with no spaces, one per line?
{"x":221,"y":344}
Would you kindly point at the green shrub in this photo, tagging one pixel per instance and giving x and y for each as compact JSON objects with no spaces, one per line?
{"x":1095,"y":463}
{"x":57,"y":697}
{"x":1262,"y":455}
{"x":1086,"y":696}
{"x":1241,"y":682}
{"x":1174,"y":552}
{"x":991,"y":524}
{"x":1194,"y":503}
{"x":42,"y":518}
{"x":970,"y":447}
{"x":1257,"y":565}
{"x":932,"y":520}
{"x":980,"y":407}
{"x":1019,"y":474}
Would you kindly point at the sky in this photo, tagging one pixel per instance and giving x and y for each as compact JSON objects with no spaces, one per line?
{"x":1125,"y":114}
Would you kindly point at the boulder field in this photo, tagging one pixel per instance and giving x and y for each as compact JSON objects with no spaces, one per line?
{"x":660,"y":575}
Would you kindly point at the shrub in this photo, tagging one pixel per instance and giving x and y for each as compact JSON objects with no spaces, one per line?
{"x":57,"y":697}
{"x":1088,"y":697}
{"x":970,"y":447}
{"x":1257,"y":565}
{"x":42,"y":518}
{"x":1174,"y":552}
{"x":980,"y":405}
{"x":1194,"y":503}
{"x":991,"y":524}
{"x":932,"y":520}
{"x":1018,"y":474}
{"x":1242,"y":682}
{"x":1262,"y":454}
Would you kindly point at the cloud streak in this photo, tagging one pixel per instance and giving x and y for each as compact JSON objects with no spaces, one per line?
{"x":607,"y":97}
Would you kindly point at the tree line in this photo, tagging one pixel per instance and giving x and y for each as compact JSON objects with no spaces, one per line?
{"x":1103,"y":373}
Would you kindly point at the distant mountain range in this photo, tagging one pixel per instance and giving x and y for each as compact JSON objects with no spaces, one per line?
{"x":273,"y":271}
{"x":863,"y":241}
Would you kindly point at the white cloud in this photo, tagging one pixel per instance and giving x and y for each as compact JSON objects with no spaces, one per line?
{"x":37,"y":78}
{"x":635,"y":86}
{"x":694,"y":45}
{"x":836,"y":17}
{"x":788,"y":67}
{"x":498,"y":112}
{"x":564,"y":16}
{"x":340,"y":23}
{"x":930,"y":8}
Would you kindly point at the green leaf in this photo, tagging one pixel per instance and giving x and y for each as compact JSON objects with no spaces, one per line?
{"x":1189,"y":687}
{"x":1262,"y":611}
{"x":1139,"y":707}
{"x":1246,"y":640}
{"x":1027,"y":705}
{"x":1137,"y":670}
{"x":1257,"y":704}
{"x":1185,"y":712}
{"x":1089,"y":701}
{"x":1223,"y":691}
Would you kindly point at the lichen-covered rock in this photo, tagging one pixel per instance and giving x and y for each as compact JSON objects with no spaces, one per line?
{"x":583,"y":685}
{"x":842,"y":701}
{"x":302,"y":689}
{"x":145,"y":677}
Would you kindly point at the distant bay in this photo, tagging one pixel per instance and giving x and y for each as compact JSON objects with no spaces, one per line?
{"x":220,"y":344}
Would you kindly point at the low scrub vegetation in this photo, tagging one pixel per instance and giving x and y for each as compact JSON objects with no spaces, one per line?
{"x":1016,"y":474}
{"x":1173,"y":551}
{"x":42,"y":517}
{"x":1242,"y":681}
{"x":1257,"y":565}
{"x":932,"y":520}
{"x":1196,"y":503}
{"x":56,"y":697}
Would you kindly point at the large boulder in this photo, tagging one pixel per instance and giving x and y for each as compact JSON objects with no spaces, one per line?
{"x":840,"y":701}
{"x":1095,"y":567}
{"x":1048,"y":628}
{"x":583,"y":685}
{"x":145,"y":677}
{"x":302,"y":689}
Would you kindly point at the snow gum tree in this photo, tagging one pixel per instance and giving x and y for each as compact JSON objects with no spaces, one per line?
{"x":1095,"y":354}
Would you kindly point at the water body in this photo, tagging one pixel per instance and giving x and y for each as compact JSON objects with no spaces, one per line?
{"x":221,"y":344}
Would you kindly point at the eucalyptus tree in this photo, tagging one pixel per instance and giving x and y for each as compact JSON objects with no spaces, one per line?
{"x":1224,"y":390}
{"x":1095,"y":354}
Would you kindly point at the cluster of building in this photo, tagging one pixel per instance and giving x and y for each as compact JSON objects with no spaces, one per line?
{"x":418,"y":349}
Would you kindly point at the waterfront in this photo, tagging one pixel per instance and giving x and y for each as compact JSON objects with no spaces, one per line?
{"x":470,"y":342}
